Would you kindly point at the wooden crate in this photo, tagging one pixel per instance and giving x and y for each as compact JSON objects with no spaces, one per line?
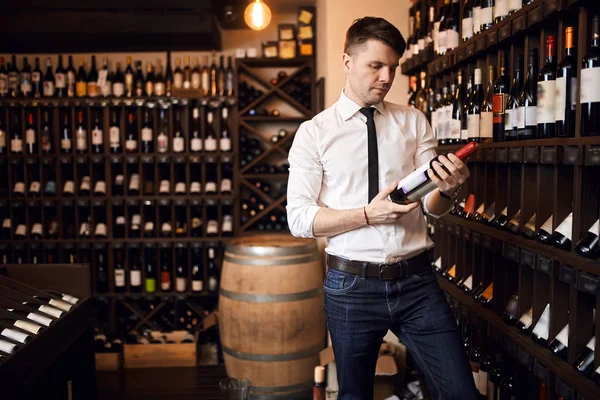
{"x":162,"y":355}
{"x":109,"y":361}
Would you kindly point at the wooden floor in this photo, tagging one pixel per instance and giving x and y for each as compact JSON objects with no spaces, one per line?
{"x":201,"y":383}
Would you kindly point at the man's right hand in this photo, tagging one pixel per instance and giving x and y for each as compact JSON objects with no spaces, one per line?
{"x":382,"y":211}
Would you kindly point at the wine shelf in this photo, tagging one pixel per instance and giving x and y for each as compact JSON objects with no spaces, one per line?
{"x":582,"y":141}
{"x":112,"y":101}
{"x":565,"y":257}
{"x":569,"y":374}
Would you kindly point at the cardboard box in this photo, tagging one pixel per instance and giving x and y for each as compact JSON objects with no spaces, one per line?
{"x":386,"y":371}
{"x":109,"y":361}
{"x":162,"y":355}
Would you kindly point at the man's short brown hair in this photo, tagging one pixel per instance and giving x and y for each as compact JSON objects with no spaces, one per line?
{"x":366,"y":28}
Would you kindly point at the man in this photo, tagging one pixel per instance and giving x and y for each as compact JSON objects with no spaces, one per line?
{"x":379,"y":276}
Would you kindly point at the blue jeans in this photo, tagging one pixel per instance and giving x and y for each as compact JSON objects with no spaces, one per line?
{"x":360,"y":311}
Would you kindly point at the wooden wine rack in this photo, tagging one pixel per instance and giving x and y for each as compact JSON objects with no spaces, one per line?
{"x":544,"y":176}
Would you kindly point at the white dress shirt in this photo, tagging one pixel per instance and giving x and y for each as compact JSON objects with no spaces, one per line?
{"x":329,"y":168}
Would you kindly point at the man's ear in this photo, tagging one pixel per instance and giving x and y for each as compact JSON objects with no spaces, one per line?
{"x":347,"y":59}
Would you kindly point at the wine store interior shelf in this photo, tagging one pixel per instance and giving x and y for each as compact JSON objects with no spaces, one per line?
{"x":569,"y":374}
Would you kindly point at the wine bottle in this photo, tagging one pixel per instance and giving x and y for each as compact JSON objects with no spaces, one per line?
{"x":588,"y":244}
{"x":118,"y":85}
{"x":21,"y":323}
{"x":97,"y":133}
{"x":49,"y":82}
{"x":229,"y":78}
{"x":13,"y":334}
{"x":16,"y":141}
{"x":213,"y":271}
{"x":139,"y":80}
{"x":129,"y":79}
{"x":525,"y":322}
{"x":319,"y":384}
{"x":92,"y":80}
{"x":510,"y":312}
{"x":197,"y":268}
{"x":36,"y":83}
{"x":590,"y":84}
{"x":159,"y":80}
{"x":149,"y":84}
{"x":131,"y":142}
{"x":585,"y":361}
{"x":81,"y":80}
{"x":213,"y":75}
{"x":3,"y":133}
{"x":512,"y":103}
{"x":561,"y":237}
{"x":210,"y":142}
{"x":529,"y":228}
{"x":596,"y":376}
{"x":210,"y":187}
{"x":225,"y":140}
{"x":166,"y":227}
{"x":496,"y":376}
{"x":474,"y":108}
{"x":487,"y":15}
{"x":418,"y":184}
{"x":221,"y":77}
{"x":150,"y":269}
{"x":25,"y":79}
{"x":3,"y":79}
{"x":566,"y":86}
{"x":546,"y":88}
{"x":81,"y":139}
{"x":545,"y":233}
{"x":105,"y":79}
{"x":456,"y":119}
{"x":101,"y":270}
{"x":514,"y":223}
{"x":195,"y":137}
{"x":119,"y":269}
{"x":115,"y":132}
{"x":467,"y":20}
{"x":542,"y":328}
{"x":13,"y":78}
{"x":196,"y":217}
{"x":147,"y":135}
{"x":486,"y":126}
{"x":178,"y":135}
{"x":180,"y":219}
{"x":212,"y":226}
{"x":180,"y":268}
{"x":559,"y":345}
{"x":187,"y":73}
{"x":485,"y":367}
{"x":205,"y":77}
{"x":165,"y":267}
{"x":487,"y":295}
{"x":501,"y":220}
{"x":149,"y":227}
{"x":526,"y":115}
{"x":162,"y":139}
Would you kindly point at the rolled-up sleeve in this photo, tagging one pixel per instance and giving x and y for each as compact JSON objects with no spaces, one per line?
{"x":426,"y":144}
{"x":304,"y":182}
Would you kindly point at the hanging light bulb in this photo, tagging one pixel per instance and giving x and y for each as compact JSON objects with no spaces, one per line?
{"x":257,"y":15}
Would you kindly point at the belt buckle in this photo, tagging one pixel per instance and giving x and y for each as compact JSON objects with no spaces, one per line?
{"x":382,"y":267}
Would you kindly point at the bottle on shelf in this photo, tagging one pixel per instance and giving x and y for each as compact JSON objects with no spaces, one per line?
{"x":150,"y":269}
{"x":545,"y":233}
{"x":501,"y":220}
{"x":566,"y":86}
{"x":81,"y":80}
{"x":25,"y":79}
{"x":187,"y":73}
{"x":205,"y":77}
{"x":229,"y":78}
{"x":588,"y":244}
{"x":166,"y":227}
{"x":92,"y":80}
{"x":97,"y":133}
{"x":178,"y":134}
{"x":210,"y":141}
{"x":510,"y":314}
{"x":149,"y":84}
{"x":197,"y":268}
{"x":467,"y":20}
{"x":147,"y":134}
{"x":181,"y":263}
{"x":514,"y":224}
{"x":212,"y":225}
{"x":162,"y":139}
{"x":526,"y":115}
{"x":221,"y":77}
{"x":131,"y":141}
{"x":590,"y":84}
{"x":213,"y":271}
{"x":511,"y":119}
{"x":165,"y":267}
{"x":81,"y":138}
{"x":524,"y":323}
{"x":474,"y":115}
{"x":195,"y":136}
{"x":100,"y":230}
{"x":546,"y":88}
{"x":16,"y":139}
{"x":119,"y":269}
{"x":486,"y":16}
{"x":225,"y":139}
{"x":541,"y":330}
{"x":139,"y":80}
{"x":584,"y":363}
{"x":149,"y":217}
{"x":561,"y":237}
{"x":101,"y":269}
{"x":213,"y":75}
{"x":49,"y":86}
{"x":159,"y":80}
{"x":559,"y":345}
{"x":528,"y":230}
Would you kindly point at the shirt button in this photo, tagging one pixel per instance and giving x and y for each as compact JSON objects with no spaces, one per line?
{"x":387,"y":234}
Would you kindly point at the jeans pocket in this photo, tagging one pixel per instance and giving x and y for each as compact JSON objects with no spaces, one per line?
{"x":337,"y":282}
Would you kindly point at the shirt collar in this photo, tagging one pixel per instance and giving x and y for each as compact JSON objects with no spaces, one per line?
{"x":348,"y":107}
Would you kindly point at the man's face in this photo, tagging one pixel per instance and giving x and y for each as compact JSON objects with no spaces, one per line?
{"x":370,"y":71}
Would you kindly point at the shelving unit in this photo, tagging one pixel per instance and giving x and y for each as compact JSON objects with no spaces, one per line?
{"x":546,"y":177}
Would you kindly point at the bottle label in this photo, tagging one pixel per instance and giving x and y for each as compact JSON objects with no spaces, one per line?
{"x":30,"y":136}
{"x":14,"y":335}
{"x":501,"y":8}
{"x":165,"y":280}
{"x":40,"y":319}
{"x":180,"y":187}
{"x":114,"y":134}
{"x":53,"y":312}
{"x":227,"y":224}
{"x":563,"y":336}
{"x":28,"y":326}
{"x":100,"y":229}
{"x":210,"y":144}
{"x":48,"y":88}
{"x":92,"y":89}
{"x":421,"y":44}
{"x":498,"y":103}
{"x":476,"y":19}
{"x":486,"y":16}
{"x":159,"y":88}
{"x":195,"y":187}
{"x":16,"y":145}
{"x":13,"y":80}
{"x":545,"y":102}
{"x":7,"y":347}
{"x":560,"y":101}
{"x":97,"y":137}
{"x":60,"y":80}
{"x":134,"y":183}
{"x":467,"y":28}
{"x":178,"y":144}
{"x":436,"y":36}
{"x":178,"y":80}
{"x":136,"y":221}
{"x":3,"y":84}
{"x":180,"y":284}
{"x":196,"y":222}
{"x":196,"y":144}
{"x":487,"y":125}
{"x":129,"y":82}
{"x":146,"y":134}
{"x":149,"y":226}
{"x":118,"y":89}
{"x":6,"y":223}
{"x":225,"y":144}
{"x":150,"y":285}
{"x":197,"y":286}
{"x":566,"y":227}
{"x":120,"y":277}
{"x":25,"y":82}
{"x":452,"y":39}
{"x":212,"y":227}
{"x":81,"y":89}
{"x":526,"y":319}
{"x":165,"y":186}
{"x":45,"y":139}
{"x":69,"y":187}
{"x":166,"y":227}
{"x":590,"y":85}
{"x":225,"y":185}
{"x":212,"y":284}
{"x":515,"y":5}
{"x":210,"y":187}
{"x":473,"y":121}
{"x":455,"y":129}
{"x":442,"y":42}
{"x":163,"y":143}
{"x":464,"y":134}
{"x":2,"y":138}
{"x":19,"y":187}
{"x":542,"y":327}
{"x":100,"y":187}
{"x":65,"y":144}
{"x":119,"y":180}
{"x":21,"y":230}
{"x":595,"y":229}
{"x":81,"y":142}
{"x":149,"y":88}
{"x":85,"y":229}
{"x":135,"y":276}
{"x":592,"y":343}
{"x":37,"y":229}
{"x":131,"y":145}
{"x":531,"y":116}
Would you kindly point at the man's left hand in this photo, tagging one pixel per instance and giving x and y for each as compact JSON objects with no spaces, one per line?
{"x":451,"y":173}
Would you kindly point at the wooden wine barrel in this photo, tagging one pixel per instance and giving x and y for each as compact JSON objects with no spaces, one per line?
{"x":271,"y":314}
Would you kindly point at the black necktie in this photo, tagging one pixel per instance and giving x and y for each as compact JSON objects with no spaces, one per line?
{"x":372,"y":149}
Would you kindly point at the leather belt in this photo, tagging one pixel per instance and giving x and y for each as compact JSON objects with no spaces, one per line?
{"x":398,"y":270}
